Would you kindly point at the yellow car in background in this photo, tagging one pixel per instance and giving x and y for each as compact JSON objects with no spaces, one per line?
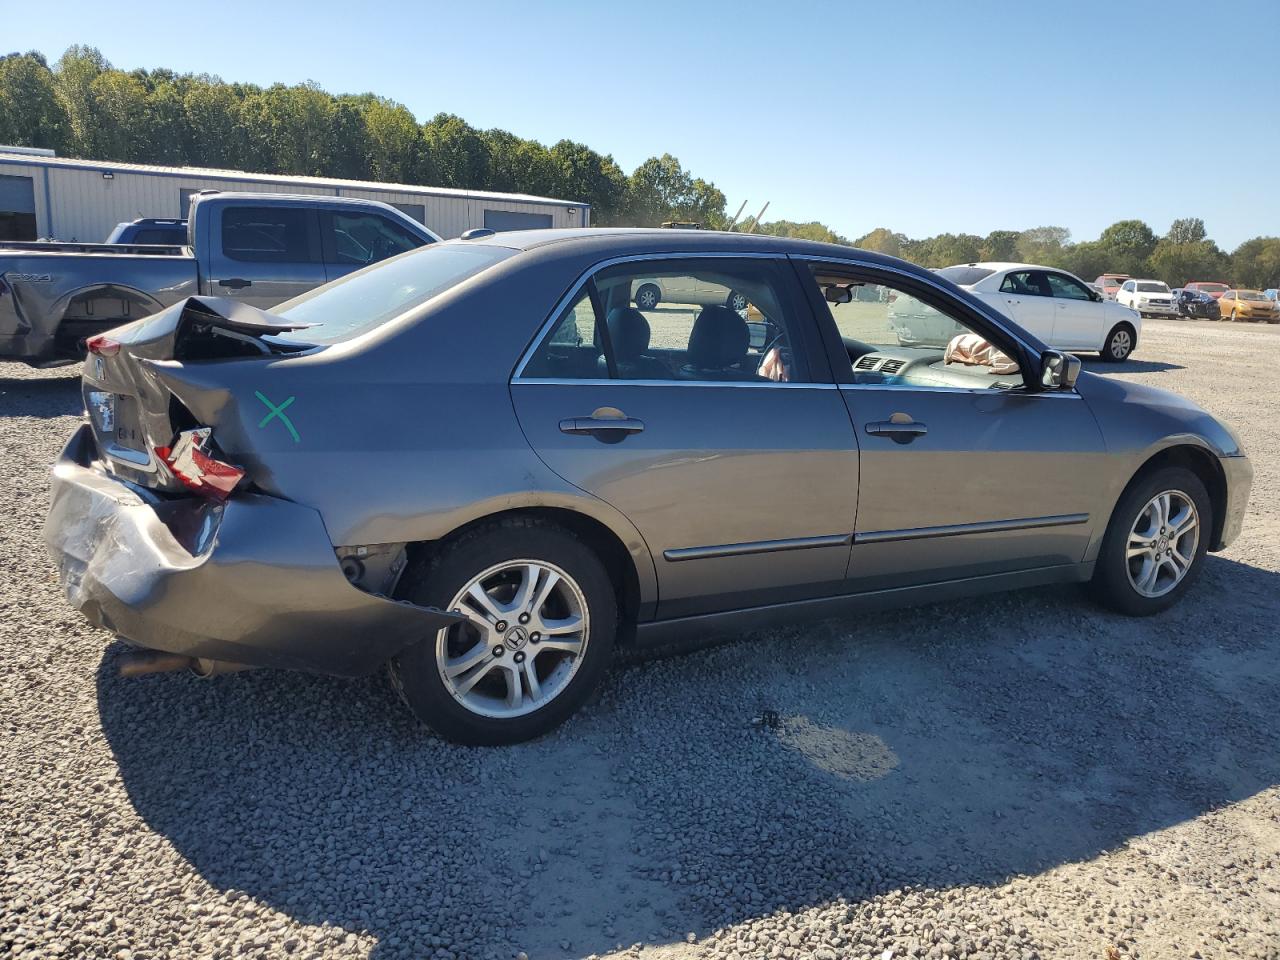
{"x":1248,"y":305}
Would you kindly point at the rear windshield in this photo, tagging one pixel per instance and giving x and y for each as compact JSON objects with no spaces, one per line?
{"x":370,"y":297}
{"x":964,"y":276}
{"x":1152,"y":288}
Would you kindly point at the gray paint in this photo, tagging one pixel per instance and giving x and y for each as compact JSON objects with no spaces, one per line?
{"x":421,"y":426}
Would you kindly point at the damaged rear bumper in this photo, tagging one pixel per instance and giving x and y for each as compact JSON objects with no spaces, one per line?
{"x":254,"y":580}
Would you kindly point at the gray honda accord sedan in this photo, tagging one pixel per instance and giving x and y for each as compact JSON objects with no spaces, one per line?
{"x":485,"y":465}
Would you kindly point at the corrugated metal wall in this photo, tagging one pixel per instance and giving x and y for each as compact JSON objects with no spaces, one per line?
{"x":82,"y":205}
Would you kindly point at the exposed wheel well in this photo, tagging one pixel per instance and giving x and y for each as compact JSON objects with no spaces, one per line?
{"x":603,"y":541}
{"x":1205,"y":466}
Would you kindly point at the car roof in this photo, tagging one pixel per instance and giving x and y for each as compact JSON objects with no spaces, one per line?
{"x":998,"y":266}
{"x":626,"y":241}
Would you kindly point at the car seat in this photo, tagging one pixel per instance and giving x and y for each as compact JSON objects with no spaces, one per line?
{"x":718,"y":347}
{"x":629,"y":335}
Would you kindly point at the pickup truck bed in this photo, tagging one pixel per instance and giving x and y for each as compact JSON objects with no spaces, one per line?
{"x":258,"y":248}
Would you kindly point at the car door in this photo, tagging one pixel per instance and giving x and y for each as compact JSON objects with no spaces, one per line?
{"x":964,"y":470}
{"x":1026,"y":299}
{"x":1079,"y":321}
{"x":352,"y":239}
{"x":264,"y":254}
{"x":737,"y":463}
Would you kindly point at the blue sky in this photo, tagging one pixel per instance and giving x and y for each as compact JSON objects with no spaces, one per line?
{"x":923,"y":117}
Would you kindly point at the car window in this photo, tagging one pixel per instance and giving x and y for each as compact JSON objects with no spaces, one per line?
{"x":266,"y":234}
{"x":1060,"y":285}
{"x":1027,"y":283}
{"x":703,"y":320}
{"x":364,"y":238}
{"x":963,"y":275}
{"x":894,"y":338}
{"x":1152,"y":287}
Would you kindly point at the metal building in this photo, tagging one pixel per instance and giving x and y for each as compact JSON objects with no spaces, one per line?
{"x":82,"y":200}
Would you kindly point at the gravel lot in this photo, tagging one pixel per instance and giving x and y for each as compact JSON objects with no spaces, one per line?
{"x":1020,"y":777}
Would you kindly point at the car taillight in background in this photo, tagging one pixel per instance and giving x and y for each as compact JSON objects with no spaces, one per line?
{"x":190,"y":459}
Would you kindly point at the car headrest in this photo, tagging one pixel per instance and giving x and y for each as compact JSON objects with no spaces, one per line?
{"x":628,"y":332}
{"x":719,"y":339}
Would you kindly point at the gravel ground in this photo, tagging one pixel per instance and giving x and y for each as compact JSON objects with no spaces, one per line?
{"x":1025,"y":776}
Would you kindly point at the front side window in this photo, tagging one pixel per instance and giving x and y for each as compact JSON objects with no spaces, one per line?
{"x":266,"y":234}
{"x":1026,"y":283}
{"x":896,"y":339}
{"x":1060,"y":285}
{"x":696,"y":320}
{"x":363,"y":238}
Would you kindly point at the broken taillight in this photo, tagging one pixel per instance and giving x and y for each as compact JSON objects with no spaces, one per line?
{"x":102,"y":345}
{"x":190,"y":459}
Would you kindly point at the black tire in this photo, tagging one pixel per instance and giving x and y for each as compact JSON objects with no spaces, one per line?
{"x":1112,"y":352}
{"x":1111,"y":585}
{"x":415,"y":673}
{"x":736,"y":301}
{"x":648,"y":296}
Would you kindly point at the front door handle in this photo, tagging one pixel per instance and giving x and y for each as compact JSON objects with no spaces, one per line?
{"x":235,"y":283}
{"x":900,"y":428}
{"x":607,"y":424}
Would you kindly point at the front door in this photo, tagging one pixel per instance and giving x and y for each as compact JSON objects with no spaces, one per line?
{"x":1078,"y":319}
{"x":964,"y":471}
{"x":264,"y":254}
{"x":736,"y":462}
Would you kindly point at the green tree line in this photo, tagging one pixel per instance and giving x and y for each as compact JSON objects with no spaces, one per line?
{"x":81,"y":106}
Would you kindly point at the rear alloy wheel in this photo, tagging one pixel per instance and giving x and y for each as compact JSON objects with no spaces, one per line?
{"x":648,"y":296}
{"x":736,"y":301}
{"x":1119,"y":344}
{"x":1155,"y":544}
{"x":541,"y":618}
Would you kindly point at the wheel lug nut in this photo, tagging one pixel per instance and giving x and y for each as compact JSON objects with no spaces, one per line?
{"x":519,"y":657}
{"x":500,"y":625}
{"x":497,"y":651}
{"x":535,"y":637}
{"x":524,"y":618}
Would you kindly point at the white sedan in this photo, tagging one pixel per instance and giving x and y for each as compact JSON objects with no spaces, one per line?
{"x":1147,"y":296}
{"x":1056,"y":306}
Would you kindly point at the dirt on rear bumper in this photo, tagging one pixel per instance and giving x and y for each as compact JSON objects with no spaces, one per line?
{"x":254,"y":580}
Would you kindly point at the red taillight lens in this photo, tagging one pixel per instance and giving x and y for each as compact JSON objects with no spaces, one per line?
{"x":102,"y":345}
{"x":190,"y":461}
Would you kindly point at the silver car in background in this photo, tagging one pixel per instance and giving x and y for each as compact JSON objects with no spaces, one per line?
{"x":483,"y":465}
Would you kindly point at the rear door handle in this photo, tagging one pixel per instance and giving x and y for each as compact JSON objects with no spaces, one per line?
{"x":900,"y":431}
{"x":235,"y":283}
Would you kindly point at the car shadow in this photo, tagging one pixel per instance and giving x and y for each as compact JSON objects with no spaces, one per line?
{"x":43,"y":396}
{"x":948,"y":745}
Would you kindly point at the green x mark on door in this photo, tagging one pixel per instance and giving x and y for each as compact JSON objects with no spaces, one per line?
{"x":277,"y":413}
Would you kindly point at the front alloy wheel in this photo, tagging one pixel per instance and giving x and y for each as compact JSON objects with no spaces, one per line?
{"x":1162,"y":543}
{"x":1119,"y":344}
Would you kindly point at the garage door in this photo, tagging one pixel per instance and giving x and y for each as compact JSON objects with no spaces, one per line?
{"x":510,"y":220}
{"x":17,"y":208}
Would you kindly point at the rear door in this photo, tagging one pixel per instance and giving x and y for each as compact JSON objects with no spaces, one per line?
{"x":1026,"y":298}
{"x":736,"y":462}
{"x":352,"y":239}
{"x":264,"y":254}
{"x":1079,"y":321}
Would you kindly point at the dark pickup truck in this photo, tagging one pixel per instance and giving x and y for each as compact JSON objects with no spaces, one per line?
{"x":258,"y":248}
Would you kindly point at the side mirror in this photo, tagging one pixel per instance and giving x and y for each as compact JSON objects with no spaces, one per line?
{"x":1097,"y":297}
{"x":1058,"y":370}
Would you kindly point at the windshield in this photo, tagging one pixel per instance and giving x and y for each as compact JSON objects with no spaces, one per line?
{"x":1152,"y":288}
{"x":370,"y":297}
{"x":964,"y":276}
{"x":1250,"y":295}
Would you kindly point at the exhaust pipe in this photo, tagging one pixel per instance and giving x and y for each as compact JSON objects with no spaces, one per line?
{"x":142,"y":664}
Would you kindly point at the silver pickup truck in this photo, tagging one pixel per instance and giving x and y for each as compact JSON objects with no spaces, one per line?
{"x":258,"y":248}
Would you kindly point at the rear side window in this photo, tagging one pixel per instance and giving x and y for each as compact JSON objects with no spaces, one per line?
{"x":266,"y":234}
{"x":368,"y":298}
